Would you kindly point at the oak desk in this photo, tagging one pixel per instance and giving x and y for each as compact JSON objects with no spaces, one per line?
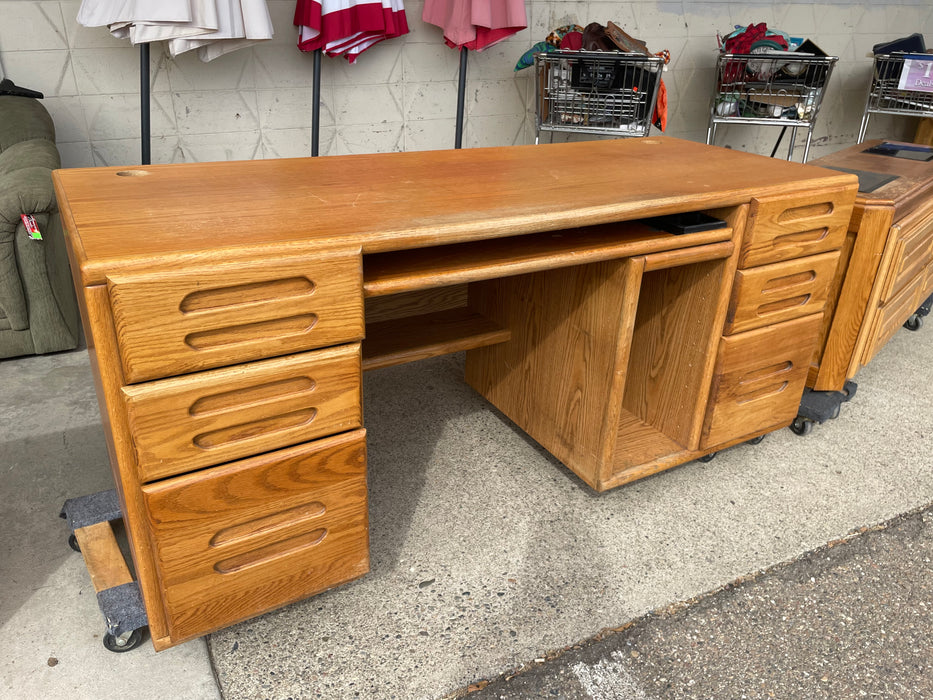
{"x":230,"y":309}
{"x":885,"y":270}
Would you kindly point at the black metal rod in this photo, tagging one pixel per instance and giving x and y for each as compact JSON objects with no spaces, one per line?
{"x":316,"y":105}
{"x":461,"y":95}
{"x":144,"y":103}
{"x":778,"y":143}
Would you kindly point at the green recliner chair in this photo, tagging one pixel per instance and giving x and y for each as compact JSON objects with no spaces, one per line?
{"x":38,"y":309}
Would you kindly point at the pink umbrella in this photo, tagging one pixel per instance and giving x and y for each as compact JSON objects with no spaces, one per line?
{"x":476,"y":25}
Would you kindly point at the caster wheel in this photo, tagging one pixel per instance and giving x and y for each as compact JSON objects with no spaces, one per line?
{"x":73,"y":542}
{"x":835,"y":413}
{"x":706,"y":458}
{"x":801,"y":426}
{"x":755,"y":440}
{"x":131,"y":642}
{"x":914,"y":323}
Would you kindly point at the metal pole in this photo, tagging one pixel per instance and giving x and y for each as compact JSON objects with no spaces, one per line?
{"x":316,"y":106}
{"x":144,"y":103}
{"x":461,"y":94}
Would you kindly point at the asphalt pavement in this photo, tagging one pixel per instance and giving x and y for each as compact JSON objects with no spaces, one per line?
{"x":852,"y":619}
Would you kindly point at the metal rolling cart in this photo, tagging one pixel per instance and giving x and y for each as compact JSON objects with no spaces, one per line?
{"x":609,"y":93}
{"x":894,"y":88}
{"x":782,"y":89}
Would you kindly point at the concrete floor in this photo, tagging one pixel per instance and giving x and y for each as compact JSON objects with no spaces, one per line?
{"x":486,"y":553}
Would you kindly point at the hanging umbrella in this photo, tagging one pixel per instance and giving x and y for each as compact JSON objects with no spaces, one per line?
{"x":348,"y":27}
{"x":473,"y":25}
{"x":241,"y":23}
{"x":213,"y":27}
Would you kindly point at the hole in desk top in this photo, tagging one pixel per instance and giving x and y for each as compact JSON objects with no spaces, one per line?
{"x":132,"y":173}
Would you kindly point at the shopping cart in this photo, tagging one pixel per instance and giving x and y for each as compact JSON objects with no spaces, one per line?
{"x":779,"y":88}
{"x":597,"y":92}
{"x":894,"y":87}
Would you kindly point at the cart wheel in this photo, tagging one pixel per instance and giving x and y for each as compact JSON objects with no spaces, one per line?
{"x":801,"y":426}
{"x":755,"y":440}
{"x":73,"y":542}
{"x":706,"y":458}
{"x":914,"y":323}
{"x":131,"y":642}
{"x":835,"y":414}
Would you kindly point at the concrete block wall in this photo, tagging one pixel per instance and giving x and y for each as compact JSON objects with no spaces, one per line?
{"x":402,"y":94}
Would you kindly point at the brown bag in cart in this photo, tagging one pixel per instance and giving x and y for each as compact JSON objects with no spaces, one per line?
{"x":625,"y":42}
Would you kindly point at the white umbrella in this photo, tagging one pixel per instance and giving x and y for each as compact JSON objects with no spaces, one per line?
{"x":213,"y":27}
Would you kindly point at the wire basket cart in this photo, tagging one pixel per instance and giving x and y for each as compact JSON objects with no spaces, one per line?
{"x":770,"y":89}
{"x":890,"y":90}
{"x":609,"y":93}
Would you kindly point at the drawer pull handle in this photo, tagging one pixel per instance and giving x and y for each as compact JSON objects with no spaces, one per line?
{"x":268,"y":523}
{"x":251,"y":396}
{"x":255,"y":333}
{"x":225,"y":297}
{"x":762,"y":382}
{"x":809,"y":211}
{"x":798,"y":237}
{"x":276,"y":550}
{"x":795,"y":280}
{"x":783,"y":305}
{"x":248,"y":431}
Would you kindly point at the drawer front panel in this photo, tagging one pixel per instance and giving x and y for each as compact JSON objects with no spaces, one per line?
{"x":238,"y":540}
{"x":784,"y":228}
{"x":912,"y":254}
{"x":890,"y":317}
{"x":180,"y":321}
{"x":220,"y":415}
{"x":780,"y":292}
{"x":759,"y":379}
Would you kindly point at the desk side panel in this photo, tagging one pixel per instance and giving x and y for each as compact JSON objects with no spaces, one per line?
{"x":558,"y":378}
{"x":105,"y":360}
{"x":848,"y":314}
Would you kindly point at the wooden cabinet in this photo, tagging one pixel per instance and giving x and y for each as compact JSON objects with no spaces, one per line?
{"x":242,"y":480}
{"x":236,"y":540}
{"x":228,"y":353}
{"x":885,"y":271}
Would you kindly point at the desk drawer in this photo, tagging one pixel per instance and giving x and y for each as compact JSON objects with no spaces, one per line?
{"x":179,"y":321}
{"x":238,"y":540}
{"x":891,"y":316}
{"x":913,"y":251}
{"x":208,"y":418}
{"x":759,"y":379}
{"x":780,"y":292}
{"x":784,"y":228}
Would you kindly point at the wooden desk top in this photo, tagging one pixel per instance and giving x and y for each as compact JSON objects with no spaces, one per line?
{"x":914,"y":178}
{"x":117,"y":217}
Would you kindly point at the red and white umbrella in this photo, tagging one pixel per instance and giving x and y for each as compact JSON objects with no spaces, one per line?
{"x":348,"y":27}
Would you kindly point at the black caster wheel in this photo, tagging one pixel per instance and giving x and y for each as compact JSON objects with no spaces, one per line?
{"x":801,"y":426}
{"x":755,"y":440}
{"x":914,"y":323}
{"x":73,"y":542}
{"x":706,"y":458}
{"x":131,"y":642}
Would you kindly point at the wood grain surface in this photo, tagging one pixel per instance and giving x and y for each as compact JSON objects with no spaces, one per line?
{"x":396,"y":201}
